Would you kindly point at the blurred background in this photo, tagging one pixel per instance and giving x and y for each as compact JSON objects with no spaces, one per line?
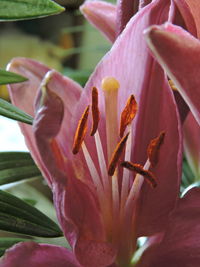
{"x":65,"y":42}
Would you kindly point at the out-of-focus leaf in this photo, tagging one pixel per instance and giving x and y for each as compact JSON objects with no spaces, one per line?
{"x":7,"y":77}
{"x":31,"y":202}
{"x":188,"y":176}
{"x":27,"y":9}
{"x":17,"y":166}
{"x":19,"y":217}
{"x":80,"y":76}
{"x":7,"y":242}
{"x":12,"y":112}
{"x":82,"y":49}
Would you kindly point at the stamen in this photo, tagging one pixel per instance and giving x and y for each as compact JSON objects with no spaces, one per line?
{"x":126,"y":173}
{"x":80,"y":131}
{"x":140,"y":170}
{"x":95,"y":111}
{"x":172,"y":85}
{"x":102,"y":162}
{"x":93,"y":171}
{"x":59,"y":158}
{"x":110,"y":87}
{"x":115,"y":207}
{"x":116,"y":155}
{"x":128,"y":114}
{"x":154,"y":148}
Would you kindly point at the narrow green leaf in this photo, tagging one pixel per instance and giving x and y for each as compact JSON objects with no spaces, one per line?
{"x":20,"y":217}
{"x":7,"y":242}
{"x":7,"y":77}
{"x":17,"y":166}
{"x":27,"y":9}
{"x":6,"y":156}
{"x":12,"y":112}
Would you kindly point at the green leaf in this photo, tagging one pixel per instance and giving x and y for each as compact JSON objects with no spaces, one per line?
{"x":27,"y":9}
{"x":7,"y":77}
{"x":12,"y":112}
{"x":80,"y":76}
{"x":19,"y":217}
{"x":7,"y":242}
{"x":17,"y":166}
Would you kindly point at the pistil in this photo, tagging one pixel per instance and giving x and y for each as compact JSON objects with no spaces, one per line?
{"x":110,"y":87}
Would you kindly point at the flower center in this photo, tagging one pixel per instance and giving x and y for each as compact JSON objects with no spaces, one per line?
{"x":117,"y":188}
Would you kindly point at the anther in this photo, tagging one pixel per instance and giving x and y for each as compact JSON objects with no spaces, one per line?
{"x":95,"y":111}
{"x":128,"y":114}
{"x":154,"y":148}
{"x":140,"y":170}
{"x":80,"y":131}
{"x":116,"y":155}
{"x":172,"y":85}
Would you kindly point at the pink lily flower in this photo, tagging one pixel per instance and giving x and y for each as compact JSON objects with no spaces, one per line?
{"x":112,"y":19}
{"x":102,"y":207}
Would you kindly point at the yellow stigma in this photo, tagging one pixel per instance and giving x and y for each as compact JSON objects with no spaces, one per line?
{"x":110,"y":84}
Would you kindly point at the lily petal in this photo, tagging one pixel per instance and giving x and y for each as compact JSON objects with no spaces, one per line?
{"x":125,"y":10}
{"x":102,"y":15}
{"x":23,"y":96}
{"x":189,"y":21}
{"x":179,"y":54}
{"x":194,"y":6}
{"x":181,"y":243}
{"x":38,"y":255}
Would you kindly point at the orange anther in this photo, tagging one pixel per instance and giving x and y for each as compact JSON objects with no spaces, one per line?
{"x":95,"y":111}
{"x":128,"y":114}
{"x":140,"y":170}
{"x":116,"y":155}
{"x":154,"y":148}
{"x":80,"y":131}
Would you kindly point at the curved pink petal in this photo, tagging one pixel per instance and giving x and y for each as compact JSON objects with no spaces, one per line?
{"x":23,"y":96}
{"x":179,"y":53}
{"x":130,"y":63}
{"x":76,"y":205}
{"x":102,"y":15}
{"x":191,"y":139}
{"x":181,"y":243}
{"x":38,"y":255}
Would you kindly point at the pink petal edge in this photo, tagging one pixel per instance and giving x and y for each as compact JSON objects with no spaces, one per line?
{"x":102,"y":15}
{"x":32,"y":254}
